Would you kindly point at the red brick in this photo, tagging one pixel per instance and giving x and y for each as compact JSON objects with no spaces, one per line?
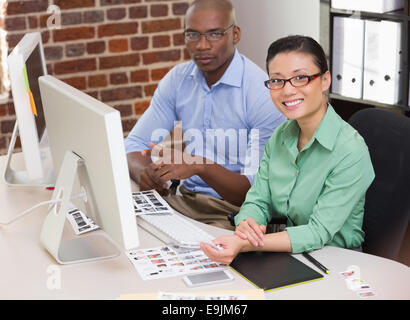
{"x":128,"y":124}
{"x":75,"y":33}
{"x":43,"y":20}
{"x":125,"y":93}
{"x":76,"y":82}
{"x":20,"y":7}
{"x":93,"y":94}
{"x":161,"y":41}
{"x":139,"y":43}
{"x":138,"y":12}
{"x":140,"y":76}
{"x":95,"y":47}
{"x":69,"y":18}
{"x":99,"y":80}
{"x":179,"y":8}
{"x":33,"y":22}
{"x":118,"y":78}
{"x":45,"y":36}
{"x":130,"y":60}
{"x":114,"y":2}
{"x":71,"y":4}
{"x":13,"y":39}
{"x":141,"y":106}
{"x":72,"y":66}
{"x":161,"y":56}
{"x":178,"y":39}
{"x":116,"y":13}
{"x":118,"y":45}
{"x":124,"y":109}
{"x":93,"y":16}
{"x":74,"y":49}
{"x":149,"y":89}
{"x":7,"y":126}
{"x":158,"y":74}
{"x":187,"y":56}
{"x":53,"y":53}
{"x":159,"y":10}
{"x":15,"y":23}
{"x":10,"y":108}
{"x":161,"y":25}
{"x":112,"y":29}
{"x":3,"y":145}
{"x":3,"y":110}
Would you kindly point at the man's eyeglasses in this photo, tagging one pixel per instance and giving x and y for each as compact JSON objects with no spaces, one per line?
{"x":191,"y":36}
{"x":297,"y":81}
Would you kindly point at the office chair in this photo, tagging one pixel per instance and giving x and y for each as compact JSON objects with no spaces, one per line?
{"x":387,"y":207}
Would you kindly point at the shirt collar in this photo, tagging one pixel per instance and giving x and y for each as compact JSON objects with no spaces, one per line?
{"x":328,"y":129}
{"x":232,"y":76}
{"x":326,"y":133}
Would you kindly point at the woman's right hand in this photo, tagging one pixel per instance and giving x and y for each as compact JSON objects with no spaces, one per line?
{"x":252,"y":231}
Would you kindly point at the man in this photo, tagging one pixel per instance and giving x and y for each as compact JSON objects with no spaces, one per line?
{"x":218,"y":96}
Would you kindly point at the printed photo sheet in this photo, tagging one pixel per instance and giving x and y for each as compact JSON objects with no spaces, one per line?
{"x":148,"y":202}
{"x":171,"y":260}
{"x":145,"y":202}
{"x":80,"y":222}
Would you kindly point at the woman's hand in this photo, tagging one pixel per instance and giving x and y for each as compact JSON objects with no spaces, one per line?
{"x":231,"y":245}
{"x":252,"y":231}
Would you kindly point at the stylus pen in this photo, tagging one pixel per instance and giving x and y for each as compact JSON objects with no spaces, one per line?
{"x":316,"y":263}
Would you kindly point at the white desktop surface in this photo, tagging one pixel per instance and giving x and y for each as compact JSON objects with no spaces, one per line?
{"x":26,"y":268}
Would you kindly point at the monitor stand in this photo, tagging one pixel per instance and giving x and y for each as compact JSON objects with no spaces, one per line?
{"x":84,"y":249}
{"x":21,"y":178}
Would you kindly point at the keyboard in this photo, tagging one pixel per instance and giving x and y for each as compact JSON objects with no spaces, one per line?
{"x":165,"y":224}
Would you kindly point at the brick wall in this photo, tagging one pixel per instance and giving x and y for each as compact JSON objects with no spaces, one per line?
{"x":114,"y":50}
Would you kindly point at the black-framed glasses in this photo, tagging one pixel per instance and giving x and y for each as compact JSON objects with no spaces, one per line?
{"x":191,"y":36}
{"x":296,"y":81}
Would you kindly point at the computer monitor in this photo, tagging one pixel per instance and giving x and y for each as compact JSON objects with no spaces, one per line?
{"x":26,"y":64}
{"x":86,"y":140}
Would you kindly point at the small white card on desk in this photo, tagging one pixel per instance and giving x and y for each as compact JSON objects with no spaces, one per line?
{"x":171,"y":260}
{"x":148,"y":202}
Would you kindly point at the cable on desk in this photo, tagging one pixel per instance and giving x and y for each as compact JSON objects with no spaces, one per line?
{"x":54,"y":202}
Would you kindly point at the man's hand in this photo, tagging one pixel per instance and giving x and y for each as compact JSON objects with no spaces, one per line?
{"x":171,"y":164}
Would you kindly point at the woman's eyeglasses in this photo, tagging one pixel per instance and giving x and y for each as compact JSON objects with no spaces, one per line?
{"x":297,"y":81}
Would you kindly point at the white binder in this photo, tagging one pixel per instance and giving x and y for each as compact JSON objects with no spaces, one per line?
{"x":381,"y":79}
{"x":379,"y":6}
{"x":347,"y":64}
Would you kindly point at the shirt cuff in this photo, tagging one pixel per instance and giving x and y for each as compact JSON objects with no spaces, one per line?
{"x":302,"y":239}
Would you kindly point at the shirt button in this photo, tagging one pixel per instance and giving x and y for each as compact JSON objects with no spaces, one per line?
{"x":296,"y":173}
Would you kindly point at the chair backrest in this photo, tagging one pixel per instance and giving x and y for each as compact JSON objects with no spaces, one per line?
{"x":387,"y":207}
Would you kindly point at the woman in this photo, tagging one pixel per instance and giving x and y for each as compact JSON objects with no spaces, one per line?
{"x":315,"y":170}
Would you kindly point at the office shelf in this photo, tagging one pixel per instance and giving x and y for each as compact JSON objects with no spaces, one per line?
{"x":401,"y":16}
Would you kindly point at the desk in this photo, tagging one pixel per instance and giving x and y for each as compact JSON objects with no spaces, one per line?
{"x":26,"y":267}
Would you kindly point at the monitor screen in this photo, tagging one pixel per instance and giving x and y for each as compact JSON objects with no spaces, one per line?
{"x":34,"y":67}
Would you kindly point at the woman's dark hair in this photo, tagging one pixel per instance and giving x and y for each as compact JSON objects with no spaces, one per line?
{"x":300,"y":44}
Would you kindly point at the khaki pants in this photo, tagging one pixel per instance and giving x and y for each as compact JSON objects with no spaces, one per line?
{"x":203,"y":208}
